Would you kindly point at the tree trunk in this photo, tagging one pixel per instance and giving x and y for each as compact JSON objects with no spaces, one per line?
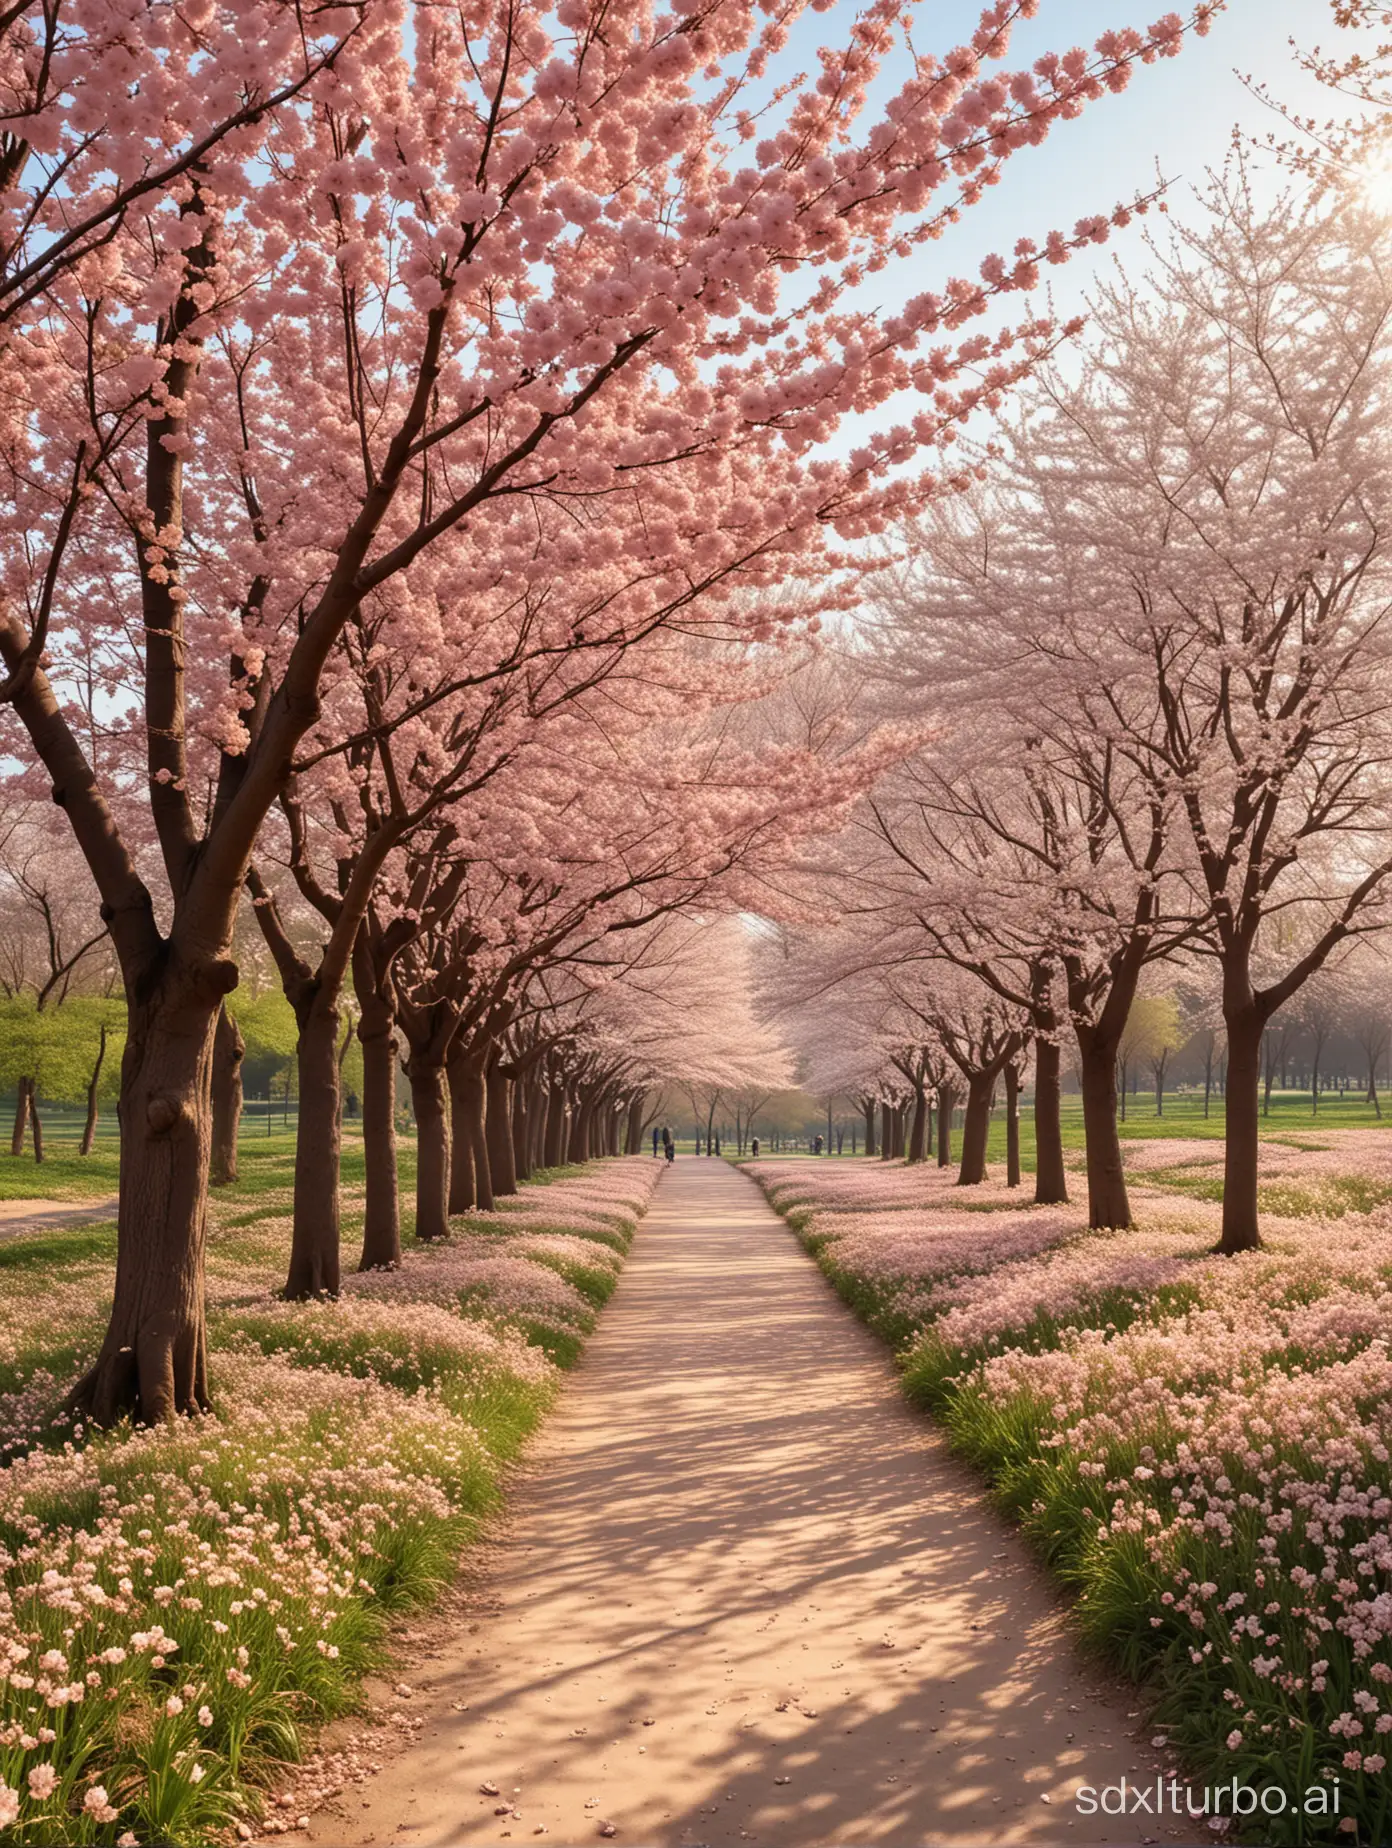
{"x":536,"y":1124}
{"x":886,"y":1131}
{"x":916,"y":1134}
{"x":475,"y":1114}
{"x":1240,"y":1228}
{"x":89,"y":1129}
{"x":36,"y":1121}
{"x":1108,"y":1204}
{"x":577,"y":1139}
{"x":633,"y":1139}
{"x":461,"y":1188}
{"x":1012,"y":1125}
{"x":314,"y":1241}
{"x":1050,"y":1175}
{"x":430,"y":1106}
{"x":517,"y":1123}
{"x":556,"y":1127}
{"x":947,"y":1103}
{"x":869,"y":1108}
{"x":229,"y":1049}
{"x":21,"y":1117}
{"x":381,"y":1248}
{"x":501,"y":1162}
{"x":153,"y":1360}
{"x":976,"y":1129}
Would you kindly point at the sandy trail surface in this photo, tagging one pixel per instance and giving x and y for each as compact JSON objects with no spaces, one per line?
{"x":746,"y":1595}
{"x":18,"y":1216}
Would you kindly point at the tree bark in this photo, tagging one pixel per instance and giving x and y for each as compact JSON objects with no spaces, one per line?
{"x":869,"y":1109}
{"x":1050,"y":1175}
{"x":89,"y":1129}
{"x":153,"y":1360}
{"x":1012,"y":1125}
{"x":518,"y":1120}
{"x":1108,"y":1203}
{"x":21,"y":1117}
{"x":916,"y":1133}
{"x":35,"y":1120}
{"x":229,"y":1049}
{"x":462,"y":1193}
{"x":314,"y":1242}
{"x":501,"y":1161}
{"x":1240,"y":1227}
{"x":536,"y":1122}
{"x":581,"y":1109}
{"x":947,"y":1103}
{"x":633,"y":1138}
{"x":886,"y":1131}
{"x":475,"y":1115}
{"x":554,"y":1156}
{"x":976,"y":1129}
{"x":431,"y":1109}
{"x":381,"y":1249}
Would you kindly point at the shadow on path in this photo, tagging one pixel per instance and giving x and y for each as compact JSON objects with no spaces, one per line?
{"x":747,"y":1596}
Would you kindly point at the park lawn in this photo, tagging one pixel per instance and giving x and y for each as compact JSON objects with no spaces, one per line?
{"x":263,"y":1161}
{"x":1200,"y":1448}
{"x":1290,"y":1115}
{"x":180,"y":1606}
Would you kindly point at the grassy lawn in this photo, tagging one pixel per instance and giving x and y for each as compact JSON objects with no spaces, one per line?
{"x":1290,"y":1116}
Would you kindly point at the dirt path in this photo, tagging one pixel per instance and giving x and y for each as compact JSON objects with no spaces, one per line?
{"x":748,"y":1597}
{"x":45,"y":1215}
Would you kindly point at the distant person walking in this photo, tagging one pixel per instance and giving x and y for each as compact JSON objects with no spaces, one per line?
{"x":669,"y":1148}
{"x":656,"y":1138}
{"x":817,"y":1146}
{"x":754,"y":1147}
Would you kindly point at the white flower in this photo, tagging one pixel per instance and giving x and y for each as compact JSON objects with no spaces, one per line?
{"x":43,"y":1781}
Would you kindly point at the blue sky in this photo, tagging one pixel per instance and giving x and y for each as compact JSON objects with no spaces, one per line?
{"x":1177,"y":116}
{"x":1179,"y":113}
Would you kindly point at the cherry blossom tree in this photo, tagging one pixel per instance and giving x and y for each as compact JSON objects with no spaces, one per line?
{"x":682,"y":1014}
{"x":481,"y":301}
{"x":1021,"y":843}
{"x":1215,"y":491}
